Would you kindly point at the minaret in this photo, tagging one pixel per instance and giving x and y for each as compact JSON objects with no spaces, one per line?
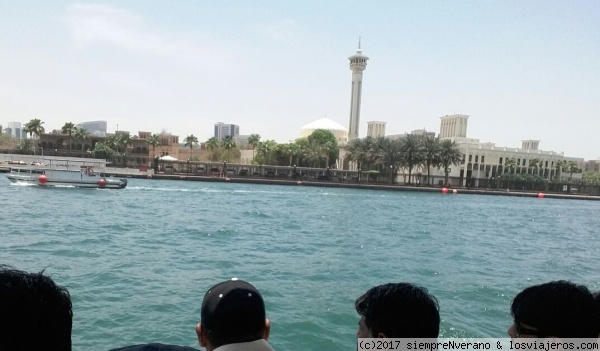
{"x":358,"y":63}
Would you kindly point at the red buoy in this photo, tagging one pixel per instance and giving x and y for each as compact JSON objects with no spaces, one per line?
{"x":43,"y":179}
{"x":102,"y":182}
{"x":540,"y":195}
{"x":444,"y":190}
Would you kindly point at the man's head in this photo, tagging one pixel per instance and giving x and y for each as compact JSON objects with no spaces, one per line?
{"x":232,"y":311}
{"x":557,"y":309}
{"x":398,"y":310}
{"x":35,"y":313}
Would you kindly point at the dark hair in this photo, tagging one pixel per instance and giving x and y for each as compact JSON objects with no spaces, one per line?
{"x":35,"y":313}
{"x":232,"y":311}
{"x":559,"y":308}
{"x":400,"y":310}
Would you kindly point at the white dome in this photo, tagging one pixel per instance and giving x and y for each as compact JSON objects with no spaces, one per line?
{"x":325,"y":123}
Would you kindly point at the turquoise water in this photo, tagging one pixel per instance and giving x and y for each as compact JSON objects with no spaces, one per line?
{"x":138,"y":261}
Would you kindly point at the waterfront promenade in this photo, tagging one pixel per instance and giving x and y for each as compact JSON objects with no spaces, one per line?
{"x":288,"y":181}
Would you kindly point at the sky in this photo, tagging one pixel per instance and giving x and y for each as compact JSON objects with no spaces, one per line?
{"x":519,"y":69}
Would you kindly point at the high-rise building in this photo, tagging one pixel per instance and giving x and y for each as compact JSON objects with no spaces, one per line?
{"x":96,"y":128}
{"x":16,"y":130}
{"x":223,"y":130}
{"x":358,"y":63}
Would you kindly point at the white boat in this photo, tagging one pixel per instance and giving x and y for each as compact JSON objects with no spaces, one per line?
{"x":66,"y":172}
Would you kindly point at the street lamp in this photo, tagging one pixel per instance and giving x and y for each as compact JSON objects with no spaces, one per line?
{"x":358,"y":175}
{"x":391,"y":174}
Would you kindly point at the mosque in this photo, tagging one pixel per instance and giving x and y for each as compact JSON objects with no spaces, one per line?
{"x":481,"y":160}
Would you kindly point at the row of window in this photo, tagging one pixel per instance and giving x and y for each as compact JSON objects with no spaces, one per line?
{"x":500,"y":160}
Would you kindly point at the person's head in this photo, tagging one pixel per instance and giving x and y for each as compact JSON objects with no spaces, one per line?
{"x":556,"y":309}
{"x":35,"y":313}
{"x":398,"y":310}
{"x":232,"y":311}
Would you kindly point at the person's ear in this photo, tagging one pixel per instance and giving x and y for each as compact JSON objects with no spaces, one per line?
{"x":201,"y":337}
{"x":267,"y":330}
{"x":381,"y":335}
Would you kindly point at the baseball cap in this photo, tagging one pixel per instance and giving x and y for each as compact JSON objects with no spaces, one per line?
{"x":233,"y":305}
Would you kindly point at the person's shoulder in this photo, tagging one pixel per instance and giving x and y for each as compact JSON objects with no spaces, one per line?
{"x":154,"y":347}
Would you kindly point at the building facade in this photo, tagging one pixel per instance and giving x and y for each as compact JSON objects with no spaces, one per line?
{"x":15,"y":129}
{"x":223,"y":130}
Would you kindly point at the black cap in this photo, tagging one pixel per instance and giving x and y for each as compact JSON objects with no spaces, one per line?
{"x":233,"y":305}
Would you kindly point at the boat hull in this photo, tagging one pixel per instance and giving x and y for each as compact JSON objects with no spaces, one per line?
{"x":53,"y":179}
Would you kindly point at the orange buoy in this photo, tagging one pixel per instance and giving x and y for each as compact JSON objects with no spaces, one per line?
{"x":540,"y":195}
{"x":43,"y":179}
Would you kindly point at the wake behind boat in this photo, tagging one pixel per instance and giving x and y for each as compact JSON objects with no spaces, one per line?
{"x":66,"y":172}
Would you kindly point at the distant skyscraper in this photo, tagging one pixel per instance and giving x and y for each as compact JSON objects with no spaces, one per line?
{"x":222,"y":130}
{"x":15,"y":129}
{"x":358,"y":63}
{"x":97,"y":128}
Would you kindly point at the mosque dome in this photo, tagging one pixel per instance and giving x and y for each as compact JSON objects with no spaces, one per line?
{"x":340,"y":132}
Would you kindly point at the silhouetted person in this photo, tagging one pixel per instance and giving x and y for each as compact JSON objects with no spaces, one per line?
{"x":558,"y":309}
{"x":233,"y":318}
{"x":35,"y":313}
{"x":398,"y":310}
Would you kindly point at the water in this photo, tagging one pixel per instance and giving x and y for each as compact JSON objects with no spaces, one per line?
{"x":138,"y":261}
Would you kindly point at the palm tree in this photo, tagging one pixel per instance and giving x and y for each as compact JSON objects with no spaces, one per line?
{"x":510,"y":164}
{"x":228,"y":143}
{"x":412,"y":150}
{"x":69,"y":128}
{"x":535,"y":163}
{"x":363,"y":151}
{"x":449,"y":155}
{"x":34,"y":126}
{"x":154,"y":141}
{"x":431,"y":154}
{"x":559,"y":166}
{"x":82,"y":135}
{"x":390,"y":155}
{"x":571,"y":167}
{"x":212,"y":144}
{"x":253,"y":141}
{"x":190,"y":141}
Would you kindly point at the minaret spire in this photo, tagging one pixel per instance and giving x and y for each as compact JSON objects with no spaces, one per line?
{"x":358,"y":63}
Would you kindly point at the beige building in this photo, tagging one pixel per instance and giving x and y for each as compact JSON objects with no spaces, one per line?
{"x":375,"y":129}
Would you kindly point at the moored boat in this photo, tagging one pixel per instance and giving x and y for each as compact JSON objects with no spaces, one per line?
{"x":65,"y":172}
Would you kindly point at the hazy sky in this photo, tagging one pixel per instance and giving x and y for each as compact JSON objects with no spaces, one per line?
{"x":520,"y":69}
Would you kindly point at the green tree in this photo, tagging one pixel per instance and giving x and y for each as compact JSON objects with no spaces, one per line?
{"x":34,"y":127}
{"x":154,"y":141}
{"x":390,"y":155}
{"x":69,"y":128}
{"x":535,"y":163}
{"x":412,"y":150}
{"x":559,"y":165}
{"x":105,"y":151}
{"x":266,"y":152}
{"x":228,"y":144}
{"x":324,"y":140}
{"x":431,"y":154}
{"x":81,"y":134}
{"x":510,"y":164}
{"x":571,"y":167}
{"x":253,"y":141}
{"x":363,"y":151}
{"x":190,"y":141}
{"x":449,"y":155}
